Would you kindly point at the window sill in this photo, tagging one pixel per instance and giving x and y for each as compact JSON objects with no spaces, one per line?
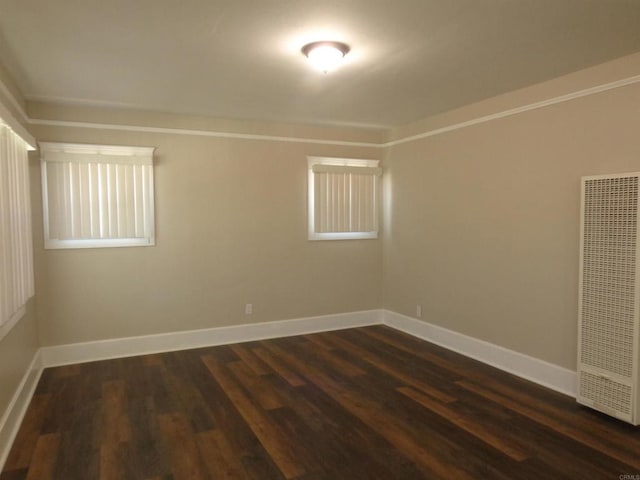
{"x":99,"y":243}
{"x":343,"y":236}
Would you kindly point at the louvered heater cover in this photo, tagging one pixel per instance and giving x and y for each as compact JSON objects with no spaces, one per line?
{"x":608,"y":339}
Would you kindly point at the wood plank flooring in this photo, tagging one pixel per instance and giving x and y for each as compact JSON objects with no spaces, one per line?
{"x":367,"y":403}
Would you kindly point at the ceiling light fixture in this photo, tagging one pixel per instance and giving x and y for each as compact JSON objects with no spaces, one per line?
{"x":325,"y":56}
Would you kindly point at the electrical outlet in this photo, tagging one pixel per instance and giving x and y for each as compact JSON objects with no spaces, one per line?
{"x":248,"y":309}
{"x":419,"y":311}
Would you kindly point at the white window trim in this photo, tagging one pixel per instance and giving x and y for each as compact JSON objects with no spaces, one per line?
{"x":128,"y":154}
{"x":343,"y":162}
{"x":7,"y":118}
{"x":6,"y":327}
{"x":18,"y":272}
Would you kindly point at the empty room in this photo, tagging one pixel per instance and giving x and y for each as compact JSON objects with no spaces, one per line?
{"x":278,"y":239}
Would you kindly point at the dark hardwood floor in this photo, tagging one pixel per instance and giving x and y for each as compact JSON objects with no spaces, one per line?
{"x":367,"y":403}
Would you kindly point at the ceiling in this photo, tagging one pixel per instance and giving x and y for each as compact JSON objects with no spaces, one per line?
{"x":409,"y":59}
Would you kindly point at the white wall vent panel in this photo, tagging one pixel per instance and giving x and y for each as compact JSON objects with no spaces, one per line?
{"x":609,"y":314}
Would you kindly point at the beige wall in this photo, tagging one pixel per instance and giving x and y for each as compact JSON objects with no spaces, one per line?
{"x":16,"y":353}
{"x":481,"y":225}
{"x":231,"y":229}
{"x":483,"y":222}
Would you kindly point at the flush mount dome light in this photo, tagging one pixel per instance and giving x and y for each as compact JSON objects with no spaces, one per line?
{"x":325,"y":56}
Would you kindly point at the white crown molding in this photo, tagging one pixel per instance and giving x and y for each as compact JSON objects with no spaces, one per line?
{"x":538,"y":371}
{"x":77,"y":102}
{"x":514,"y":111}
{"x":17,"y":408}
{"x":274,"y":138}
{"x":199,"y":133}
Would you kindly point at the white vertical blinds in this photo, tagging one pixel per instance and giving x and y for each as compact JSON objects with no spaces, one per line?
{"x":16,"y":253}
{"x":343,"y":199}
{"x":97,"y":196}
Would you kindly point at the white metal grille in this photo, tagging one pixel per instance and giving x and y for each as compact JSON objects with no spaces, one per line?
{"x":605,"y":393}
{"x":608,"y":278}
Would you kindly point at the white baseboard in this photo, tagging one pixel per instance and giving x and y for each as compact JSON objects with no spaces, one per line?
{"x":126,"y":347}
{"x":538,"y":371}
{"x":13,"y":415}
{"x":543,"y":373}
{"x":166,"y":342}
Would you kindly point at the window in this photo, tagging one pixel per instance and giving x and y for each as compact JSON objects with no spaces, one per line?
{"x":16,"y":253}
{"x":343,"y":198}
{"x":97,"y":196}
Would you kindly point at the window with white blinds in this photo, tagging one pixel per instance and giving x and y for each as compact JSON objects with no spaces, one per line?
{"x":343,"y":198}
{"x":16,"y":252}
{"x":97,"y":195}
